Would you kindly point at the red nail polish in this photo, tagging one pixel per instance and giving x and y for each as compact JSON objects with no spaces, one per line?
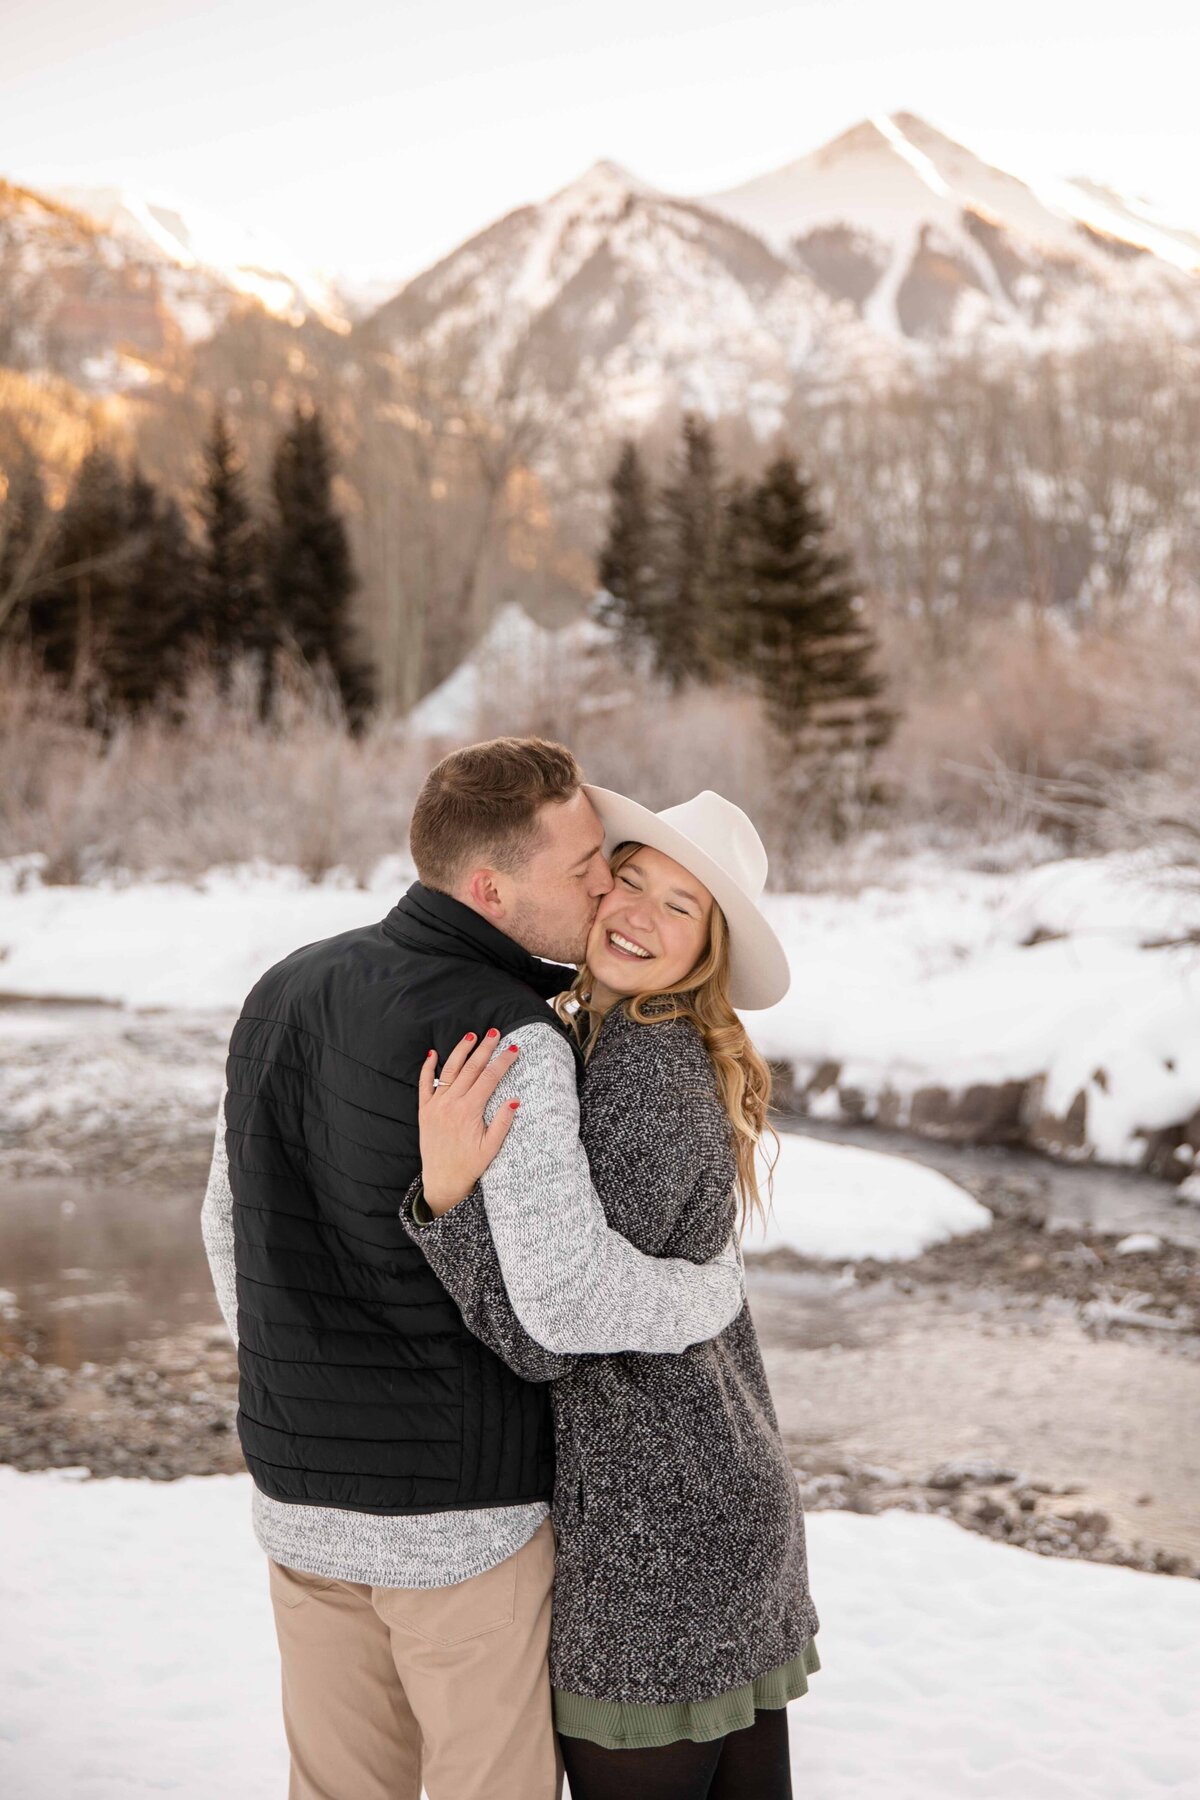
{"x":513,"y":1048}
{"x":470,"y":1038}
{"x":428,"y":1054}
{"x":514,"y":1104}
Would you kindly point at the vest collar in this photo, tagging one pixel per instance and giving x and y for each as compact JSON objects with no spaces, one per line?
{"x":427,"y":920}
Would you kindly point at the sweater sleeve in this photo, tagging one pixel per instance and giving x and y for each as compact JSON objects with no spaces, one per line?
{"x":459,"y":1248}
{"x":575,"y":1284}
{"x":216,"y":1226}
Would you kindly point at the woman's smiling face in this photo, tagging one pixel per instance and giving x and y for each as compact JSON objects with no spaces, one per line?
{"x":651,"y":929}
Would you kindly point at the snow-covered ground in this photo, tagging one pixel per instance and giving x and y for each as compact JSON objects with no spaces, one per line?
{"x":943,"y":975}
{"x":138,"y":1657}
{"x":835,"y":1201}
{"x":952,"y":977}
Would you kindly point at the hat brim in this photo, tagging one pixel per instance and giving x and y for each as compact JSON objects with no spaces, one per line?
{"x":759,"y":972}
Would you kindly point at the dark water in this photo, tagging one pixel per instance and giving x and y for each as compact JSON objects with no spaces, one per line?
{"x":88,"y":1268}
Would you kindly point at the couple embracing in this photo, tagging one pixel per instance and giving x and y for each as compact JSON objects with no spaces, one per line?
{"x":473,"y":1219}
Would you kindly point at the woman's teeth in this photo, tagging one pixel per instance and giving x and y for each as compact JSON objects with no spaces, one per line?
{"x":617,"y":942}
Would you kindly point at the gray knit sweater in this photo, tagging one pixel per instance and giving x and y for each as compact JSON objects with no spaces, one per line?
{"x":681,"y":1566}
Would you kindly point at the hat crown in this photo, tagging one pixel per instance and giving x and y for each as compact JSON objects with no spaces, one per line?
{"x":723,"y":832}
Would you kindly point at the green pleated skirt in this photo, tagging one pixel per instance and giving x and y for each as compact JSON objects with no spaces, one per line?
{"x":619,"y":1727}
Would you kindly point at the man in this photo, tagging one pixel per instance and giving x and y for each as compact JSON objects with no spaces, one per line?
{"x":402,"y":1471}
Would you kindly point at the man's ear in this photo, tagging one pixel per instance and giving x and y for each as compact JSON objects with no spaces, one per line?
{"x":482,"y":894}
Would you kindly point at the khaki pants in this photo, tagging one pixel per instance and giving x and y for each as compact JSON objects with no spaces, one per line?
{"x":384,"y":1688}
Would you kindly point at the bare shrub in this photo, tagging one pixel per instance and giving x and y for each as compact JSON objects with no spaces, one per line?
{"x":632,"y":732}
{"x":210,"y":785}
{"x":1025,"y":702}
{"x":1030,"y":738}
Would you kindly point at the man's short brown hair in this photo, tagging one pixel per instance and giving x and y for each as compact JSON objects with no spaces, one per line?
{"x":480,"y":805}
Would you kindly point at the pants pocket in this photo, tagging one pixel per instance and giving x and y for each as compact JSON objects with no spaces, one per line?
{"x":291,"y":1587}
{"x":453,"y":1615}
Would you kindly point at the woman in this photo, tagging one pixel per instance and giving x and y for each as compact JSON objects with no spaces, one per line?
{"x":682,"y":1620}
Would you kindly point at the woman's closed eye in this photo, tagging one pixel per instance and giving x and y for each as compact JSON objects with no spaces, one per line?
{"x":670,"y":903}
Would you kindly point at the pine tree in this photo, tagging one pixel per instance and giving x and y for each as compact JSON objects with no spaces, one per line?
{"x":686,"y":597}
{"x":312,"y":574}
{"x":796,"y":622}
{"x":24,"y":531}
{"x":155,"y":622}
{"x":71,"y":615}
{"x":232,"y":600}
{"x":731,"y":635}
{"x":625,"y":568}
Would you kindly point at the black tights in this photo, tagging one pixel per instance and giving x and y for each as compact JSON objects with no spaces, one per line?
{"x":752,"y":1764}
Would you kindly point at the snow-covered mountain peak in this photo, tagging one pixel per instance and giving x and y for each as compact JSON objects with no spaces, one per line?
{"x":1134,"y":219}
{"x":195,"y":239}
{"x":862,"y":140}
{"x":606,"y":184}
{"x":613,"y":299}
{"x":926,"y":238}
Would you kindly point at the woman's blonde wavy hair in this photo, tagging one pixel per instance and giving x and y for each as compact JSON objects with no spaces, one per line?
{"x":743,"y":1076}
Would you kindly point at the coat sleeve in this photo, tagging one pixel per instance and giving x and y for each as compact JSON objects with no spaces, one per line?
{"x":458,"y":1247}
{"x":658,"y":1142}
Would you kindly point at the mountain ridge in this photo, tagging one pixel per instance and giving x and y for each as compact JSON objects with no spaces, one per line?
{"x":611,"y":299}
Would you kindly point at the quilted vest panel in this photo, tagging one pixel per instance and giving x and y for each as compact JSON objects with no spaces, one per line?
{"x":360,"y":1387}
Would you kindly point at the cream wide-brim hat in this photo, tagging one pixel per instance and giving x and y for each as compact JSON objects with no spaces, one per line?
{"x":715,"y":841}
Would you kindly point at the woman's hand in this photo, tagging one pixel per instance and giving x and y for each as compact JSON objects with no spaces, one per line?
{"x":456,"y":1145}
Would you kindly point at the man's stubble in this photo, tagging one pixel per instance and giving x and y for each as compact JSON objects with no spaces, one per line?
{"x":543,"y":934}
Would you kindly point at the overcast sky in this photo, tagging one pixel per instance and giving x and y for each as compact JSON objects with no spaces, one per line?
{"x":374,"y":135}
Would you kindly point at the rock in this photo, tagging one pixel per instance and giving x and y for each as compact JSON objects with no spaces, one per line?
{"x":1064,"y":1136}
{"x":889,"y":1111}
{"x":824,"y":1076}
{"x":958,"y":1474}
{"x":853,"y":1102}
{"x":1188,"y":1190}
{"x":1171,"y":1149}
{"x":985,"y":1113}
{"x":1095,"y":1523}
{"x":885,"y":1476}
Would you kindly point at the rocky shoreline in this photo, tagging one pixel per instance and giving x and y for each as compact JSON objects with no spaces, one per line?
{"x":165,"y":1408}
{"x":108,"y":1122}
{"x":168,"y":1410}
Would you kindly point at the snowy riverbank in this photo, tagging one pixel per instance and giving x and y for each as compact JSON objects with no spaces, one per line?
{"x":138,"y":1657}
{"x":1057,"y":1004}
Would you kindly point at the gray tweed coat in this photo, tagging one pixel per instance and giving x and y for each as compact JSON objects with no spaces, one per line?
{"x":681,"y":1567}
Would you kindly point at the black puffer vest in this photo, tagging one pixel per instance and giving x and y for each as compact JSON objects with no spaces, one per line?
{"x":360,"y":1386}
